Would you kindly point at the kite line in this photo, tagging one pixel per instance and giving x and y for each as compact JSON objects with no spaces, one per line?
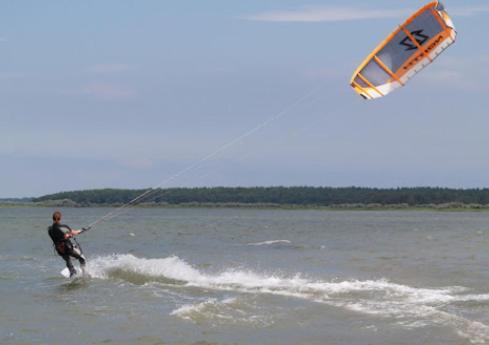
{"x":118,"y":211}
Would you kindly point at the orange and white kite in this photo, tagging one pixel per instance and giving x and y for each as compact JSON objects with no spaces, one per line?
{"x":410,"y":48}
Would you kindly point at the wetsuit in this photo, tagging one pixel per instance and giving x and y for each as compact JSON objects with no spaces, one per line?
{"x":64,"y":247}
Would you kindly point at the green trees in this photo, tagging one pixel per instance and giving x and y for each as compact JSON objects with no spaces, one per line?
{"x":299,"y":196}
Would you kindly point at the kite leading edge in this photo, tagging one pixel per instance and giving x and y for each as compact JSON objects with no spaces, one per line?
{"x":405,"y":52}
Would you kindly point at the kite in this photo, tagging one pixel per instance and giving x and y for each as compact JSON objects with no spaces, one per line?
{"x":405,"y":52}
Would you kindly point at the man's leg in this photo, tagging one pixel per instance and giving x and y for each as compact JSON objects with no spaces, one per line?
{"x":77,"y":254}
{"x":69,"y":264}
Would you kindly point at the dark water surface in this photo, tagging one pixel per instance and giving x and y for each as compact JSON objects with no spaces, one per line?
{"x":234,"y":276}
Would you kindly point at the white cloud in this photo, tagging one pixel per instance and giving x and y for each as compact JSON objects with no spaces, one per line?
{"x":326,"y":14}
{"x":104,"y":91}
{"x":338,"y":14}
{"x":110,"y":68}
{"x":324,"y":73}
{"x":108,"y":91}
{"x":467,"y":11}
{"x":485,"y":57}
{"x":467,"y":73}
{"x":11,"y":75}
{"x":445,"y":76}
{"x":3,"y":39}
{"x":137,"y":163}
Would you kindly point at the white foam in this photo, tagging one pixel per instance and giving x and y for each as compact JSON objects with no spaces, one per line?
{"x":171,"y":267}
{"x":185,"y":311}
{"x":268,"y":243}
{"x":218,"y":312}
{"x":409,"y":306}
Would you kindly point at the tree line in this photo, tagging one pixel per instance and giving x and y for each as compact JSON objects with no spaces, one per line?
{"x":301,"y":196}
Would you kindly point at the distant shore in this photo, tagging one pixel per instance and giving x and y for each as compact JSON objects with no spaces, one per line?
{"x":455,"y":207}
{"x":287,"y":198}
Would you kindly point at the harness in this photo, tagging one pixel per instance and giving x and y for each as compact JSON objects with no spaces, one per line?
{"x":64,"y":246}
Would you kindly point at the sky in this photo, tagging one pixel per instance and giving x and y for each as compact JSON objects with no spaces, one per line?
{"x":135,"y":94}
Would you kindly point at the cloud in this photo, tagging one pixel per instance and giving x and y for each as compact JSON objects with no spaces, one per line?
{"x":326,"y":14}
{"x":110,"y":68}
{"x":102,"y":90}
{"x":467,"y":11}
{"x":338,"y":14}
{"x":3,"y":39}
{"x":108,"y":91}
{"x":11,"y":75}
{"x":485,"y":57}
{"x":324,"y":73}
{"x":446,"y":76}
{"x":137,"y":163}
{"x":466,"y":73}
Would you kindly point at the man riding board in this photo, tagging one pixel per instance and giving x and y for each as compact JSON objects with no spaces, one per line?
{"x":61,"y":234}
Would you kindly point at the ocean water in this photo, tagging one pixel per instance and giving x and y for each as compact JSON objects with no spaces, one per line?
{"x":248,"y":277}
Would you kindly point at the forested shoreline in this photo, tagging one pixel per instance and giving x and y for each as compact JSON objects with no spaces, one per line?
{"x":343,"y":197}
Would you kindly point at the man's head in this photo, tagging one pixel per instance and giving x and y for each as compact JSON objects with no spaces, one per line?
{"x":57,"y":217}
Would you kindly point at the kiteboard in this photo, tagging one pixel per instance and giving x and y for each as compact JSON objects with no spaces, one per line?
{"x":79,"y":273}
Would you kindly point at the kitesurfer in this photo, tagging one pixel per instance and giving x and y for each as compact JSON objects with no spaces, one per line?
{"x":61,"y":234}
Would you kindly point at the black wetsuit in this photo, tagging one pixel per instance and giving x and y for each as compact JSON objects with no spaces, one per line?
{"x":64,"y":247}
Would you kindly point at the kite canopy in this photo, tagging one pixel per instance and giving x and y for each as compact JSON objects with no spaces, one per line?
{"x":411,"y":47}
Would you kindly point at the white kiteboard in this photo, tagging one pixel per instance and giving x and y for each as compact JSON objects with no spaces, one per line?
{"x":66,"y":273}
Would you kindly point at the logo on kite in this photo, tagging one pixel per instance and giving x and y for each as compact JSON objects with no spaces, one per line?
{"x":405,"y":52}
{"x":418,"y":36}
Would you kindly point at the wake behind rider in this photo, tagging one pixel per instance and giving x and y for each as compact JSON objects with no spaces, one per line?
{"x":61,"y":234}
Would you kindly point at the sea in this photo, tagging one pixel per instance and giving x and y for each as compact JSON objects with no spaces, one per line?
{"x":218,"y":276}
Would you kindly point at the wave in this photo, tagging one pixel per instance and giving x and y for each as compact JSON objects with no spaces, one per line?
{"x":408,"y":306}
{"x":268,"y":243}
{"x":171,"y":270}
{"x":227,"y":311}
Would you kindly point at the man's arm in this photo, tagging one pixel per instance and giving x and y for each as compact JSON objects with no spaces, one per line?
{"x":71,"y":232}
